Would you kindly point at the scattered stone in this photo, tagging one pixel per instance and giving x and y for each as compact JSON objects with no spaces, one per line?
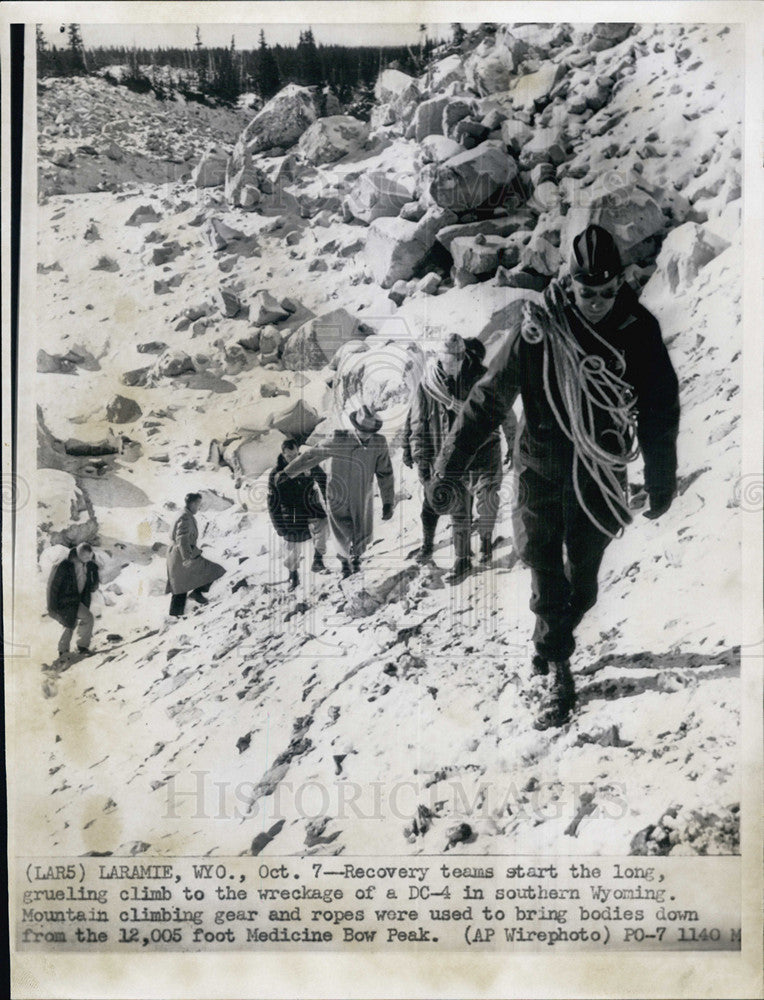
{"x":142,"y":215}
{"x":151,"y":347}
{"x":265,"y":309}
{"x":271,"y":342}
{"x":122,"y":410}
{"x":220,"y":235}
{"x":173,"y":363}
{"x":91,"y":233}
{"x":229,"y":302}
{"x":398,"y":292}
{"x":136,"y":377}
{"x":211,"y":169}
{"x":105,"y":264}
{"x":166,"y":253}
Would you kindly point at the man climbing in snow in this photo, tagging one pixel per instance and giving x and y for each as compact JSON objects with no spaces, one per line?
{"x":446,"y":383}
{"x":297,"y":511}
{"x":70,"y":587}
{"x":593,"y":373}
{"x":356,"y":456}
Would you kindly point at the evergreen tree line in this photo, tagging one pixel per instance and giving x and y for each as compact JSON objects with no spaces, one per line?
{"x":223,"y":74}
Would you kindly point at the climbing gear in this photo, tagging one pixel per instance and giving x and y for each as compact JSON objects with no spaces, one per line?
{"x":589,"y":386}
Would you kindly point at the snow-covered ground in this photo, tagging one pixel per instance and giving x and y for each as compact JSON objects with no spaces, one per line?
{"x":380,"y":714}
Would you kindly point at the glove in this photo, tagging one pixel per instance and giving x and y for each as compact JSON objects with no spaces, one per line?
{"x":424,"y":475}
{"x":387,"y":511}
{"x":659,"y":504}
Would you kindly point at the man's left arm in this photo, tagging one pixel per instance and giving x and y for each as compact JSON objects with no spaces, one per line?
{"x":657,"y":389}
{"x":385,"y":480}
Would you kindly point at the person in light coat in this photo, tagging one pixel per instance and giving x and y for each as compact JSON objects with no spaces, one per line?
{"x":356,"y":456}
{"x":189,"y":574}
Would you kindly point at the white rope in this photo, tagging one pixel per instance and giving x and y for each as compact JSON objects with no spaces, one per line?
{"x":588,"y":388}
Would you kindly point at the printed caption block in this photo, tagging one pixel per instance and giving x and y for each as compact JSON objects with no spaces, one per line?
{"x":497,"y":904}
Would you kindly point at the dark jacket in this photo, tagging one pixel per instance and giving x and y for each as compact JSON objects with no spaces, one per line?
{"x":293,"y":503}
{"x":519,"y":367}
{"x":64,"y":598}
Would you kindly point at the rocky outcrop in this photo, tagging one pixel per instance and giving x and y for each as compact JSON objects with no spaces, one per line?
{"x":329,"y":139}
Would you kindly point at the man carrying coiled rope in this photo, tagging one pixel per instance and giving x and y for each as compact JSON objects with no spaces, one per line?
{"x":595,"y":380}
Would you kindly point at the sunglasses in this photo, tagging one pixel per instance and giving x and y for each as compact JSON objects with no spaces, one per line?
{"x":587,"y":292}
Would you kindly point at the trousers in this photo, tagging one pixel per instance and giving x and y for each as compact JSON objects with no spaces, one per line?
{"x":319,"y":533}
{"x":85,"y":623}
{"x":547,"y":517}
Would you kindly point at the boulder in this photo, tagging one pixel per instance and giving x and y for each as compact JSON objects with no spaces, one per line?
{"x":429,"y":284}
{"x":265,"y":308}
{"x":685,"y":251}
{"x":377,"y":194}
{"x":166,"y":253}
{"x":329,"y":139}
{"x":297,"y":421}
{"x":548,"y":145}
{"x":315,"y":343}
{"x":220,"y":235}
{"x":210,"y":171}
{"x":412,"y":211}
{"x":518,"y":278}
{"x":489,"y":68}
{"x":65,"y":514}
{"x":469,"y":133}
{"x":515,"y":134}
{"x":142,"y":215}
{"x":541,"y":256}
{"x":382,"y":116}
{"x":396,"y":88}
{"x":122,"y":410}
{"x":229,"y":302}
{"x":438,"y":148}
{"x":269,"y":390}
{"x":471,"y":178}
{"x":282,"y":120}
{"x":477,"y":254}
{"x":241,"y":174}
{"x":271,"y":343}
{"x":428,"y":119}
{"x":630,"y":214}
{"x":250,"y":197}
{"x":444,"y":72}
{"x":607,"y":34}
{"x":454,"y":111}
{"x":533,"y":90}
{"x":502,"y":226}
{"x":172,"y":363}
{"x":395,"y":248}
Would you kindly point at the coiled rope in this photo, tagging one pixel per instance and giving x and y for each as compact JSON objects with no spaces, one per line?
{"x":588,"y":388}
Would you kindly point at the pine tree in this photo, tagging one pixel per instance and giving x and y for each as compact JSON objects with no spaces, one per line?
{"x":201,"y":58}
{"x":267,"y":82}
{"x":458,"y":33}
{"x":77,"y":63}
{"x":309,"y":71}
{"x":43,"y":55}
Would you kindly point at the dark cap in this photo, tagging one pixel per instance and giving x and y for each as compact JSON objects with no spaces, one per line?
{"x":595,"y":259}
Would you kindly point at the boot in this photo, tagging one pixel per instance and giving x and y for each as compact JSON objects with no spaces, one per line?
{"x":198,"y":596}
{"x":539,"y":665}
{"x":345,"y":565}
{"x":355,"y":565}
{"x":486,"y":548}
{"x":318,"y":563}
{"x":428,"y":539}
{"x":462,"y":569}
{"x":559,"y":701}
{"x":294,"y":580}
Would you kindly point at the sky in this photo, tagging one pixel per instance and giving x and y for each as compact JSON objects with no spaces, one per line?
{"x":247,"y":35}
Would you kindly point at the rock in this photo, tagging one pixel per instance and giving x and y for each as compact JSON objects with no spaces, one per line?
{"x":533,"y":90}
{"x":265,"y":308}
{"x":428,"y":118}
{"x":515,"y":134}
{"x":437,"y":148}
{"x":454,"y":111}
{"x":518,"y":278}
{"x":630,"y":214}
{"x":151,"y":347}
{"x":163,"y":287}
{"x":54,"y":364}
{"x":251,"y":342}
{"x":270,"y":390}
{"x":166,"y":253}
{"x":241,"y":174}
{"x":541,"y":256}
{"x":445,"y":71}
{"x":685,"y":251}
{"x":282,"y":120}
{"x":459,"y":834}
{"x":469,"y":133}
{"x":220,"y":235}
{"x":477,"y":255}
{"x":470,"y":179}
{"x":412,"y":211}
{"x":395,"y":88}
{"x":65,"y":514}
{"x":105,"y":264}
{"x":395,"y":247}
{"x":136,"y":377}
{"x":318,"y":264}
{"x":376,"y":195}
{"x":211,"y":169}
{"x":548,"y":145}
{"x":250,"y":196}
{"x":172,"y":363}
{"x":398,"y":292}
{"x":607,"y":34}
{"x":489,"y":67}
{"x":122,"y":410}
{"x":382,"y":116}
{"x":91,"y":233}
{"x":313,"y":344}
{"x":271,"y":342}
{"x":429,"y":284}
{"x":502,"y":226}
{"x":229,"y":302}
{"x":329,"y":139}
{"x":298,"y":421}
{"x":142,"y":215}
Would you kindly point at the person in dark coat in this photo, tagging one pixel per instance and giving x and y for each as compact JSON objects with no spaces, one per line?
{"x":297,"y":511}
{"x":444,"y":387}
{"x":595,"y":379}
{"x":70,"y":586}
{"x":189,"y":574}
